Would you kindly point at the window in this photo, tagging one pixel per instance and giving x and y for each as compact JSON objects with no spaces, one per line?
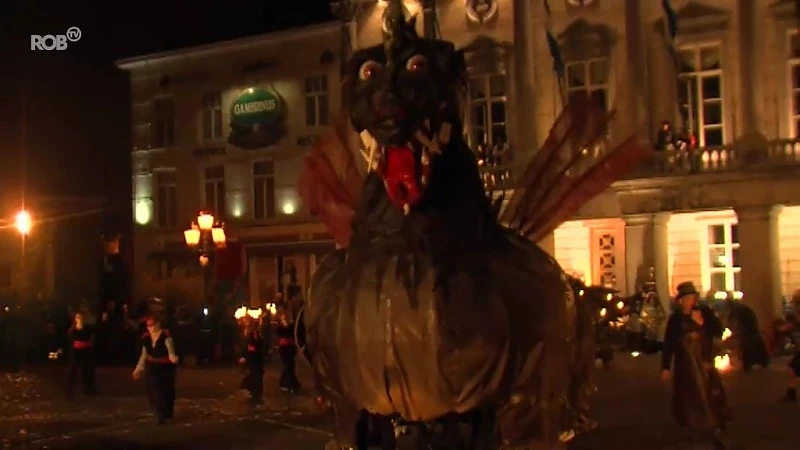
{"x":167,"y":198}
{"x":794,"y":83}
{"x":164,"y":122}
{"x":723,"y":258}
{"x":589,"y":76}
{"x":317,"y":101}
{"x":487,"y":112}
{"x":700,"y":96}
{"x":215,"y":189}
{"x":263,"y":190}
{"x":212,"y":116}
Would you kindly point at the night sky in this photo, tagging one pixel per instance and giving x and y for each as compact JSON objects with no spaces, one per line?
{"x":77,"y":108}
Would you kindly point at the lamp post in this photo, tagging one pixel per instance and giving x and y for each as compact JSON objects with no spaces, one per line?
{"x":205,"y":236}
{"x":23,"y":223}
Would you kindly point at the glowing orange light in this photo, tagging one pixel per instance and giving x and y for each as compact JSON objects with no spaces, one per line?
{"x":23,"y":222}
{"x":722,"y":363}
{"x":205,"y":221}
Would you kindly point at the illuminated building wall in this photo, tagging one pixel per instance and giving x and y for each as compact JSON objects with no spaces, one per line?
{"x":224,"y":128}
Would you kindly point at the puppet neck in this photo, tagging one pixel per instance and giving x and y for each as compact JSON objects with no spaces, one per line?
{"x":452,"y":217}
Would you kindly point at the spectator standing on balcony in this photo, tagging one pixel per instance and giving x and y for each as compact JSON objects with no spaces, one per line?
{"x":81,"y":356}
{"x":698,"y":398}
{"x":666,"y":138}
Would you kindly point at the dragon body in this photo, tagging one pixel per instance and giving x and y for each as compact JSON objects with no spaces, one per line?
{"x":432,"y":311}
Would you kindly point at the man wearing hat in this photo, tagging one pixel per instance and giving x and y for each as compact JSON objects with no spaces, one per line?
{"x":698,"y":398}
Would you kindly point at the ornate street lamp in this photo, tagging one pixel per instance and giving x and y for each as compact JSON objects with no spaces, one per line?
{"x":205,"y":236}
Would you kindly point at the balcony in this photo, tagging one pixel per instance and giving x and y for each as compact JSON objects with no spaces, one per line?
{"x":780,"y":154}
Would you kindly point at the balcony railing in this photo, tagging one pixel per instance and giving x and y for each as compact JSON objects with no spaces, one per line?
{"x":708,"y":160}
{"x":725,"y":159}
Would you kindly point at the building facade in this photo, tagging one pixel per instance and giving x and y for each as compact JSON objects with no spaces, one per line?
{"x":724,"y":216}
{"x":223,"y":128}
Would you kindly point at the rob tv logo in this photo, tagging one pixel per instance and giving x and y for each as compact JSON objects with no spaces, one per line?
{"x":58,"y":42}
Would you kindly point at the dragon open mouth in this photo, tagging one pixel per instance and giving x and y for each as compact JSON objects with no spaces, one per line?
{"x":404,"y":169}
{"x":402,"y":176}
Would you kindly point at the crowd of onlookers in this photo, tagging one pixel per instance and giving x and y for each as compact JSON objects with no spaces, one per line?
{"x":37,"y":333}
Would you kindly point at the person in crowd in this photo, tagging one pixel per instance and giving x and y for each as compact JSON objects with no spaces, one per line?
{"x":128,"y":336}
{"x":743,"y":323}
{"x":666,"y":138}
{"x":791,"y":326}
{"x":634,"y":328}
{"x":158,"y":363}
{"x":103,"y":331}
{"x":10,"y":358}
{"x":253,"y":360}
{"x":699,"y":401}
{"x":287,"y":352}
{"x":81,"y":356}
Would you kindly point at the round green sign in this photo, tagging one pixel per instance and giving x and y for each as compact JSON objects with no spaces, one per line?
{"x":255,"y":107}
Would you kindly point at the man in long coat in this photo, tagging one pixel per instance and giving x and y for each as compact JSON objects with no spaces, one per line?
{"x":699,"y":402}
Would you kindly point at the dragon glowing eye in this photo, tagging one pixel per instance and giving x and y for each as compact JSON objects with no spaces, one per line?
{"x":415,"y":63}
{"x":368,"y":70}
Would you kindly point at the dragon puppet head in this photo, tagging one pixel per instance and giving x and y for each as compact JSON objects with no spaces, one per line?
{"x":402,"y":97}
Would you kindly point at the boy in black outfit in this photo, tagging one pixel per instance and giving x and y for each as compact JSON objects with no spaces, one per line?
{"x":253,"y":359}
{"x":81,"y":357}
{"x":287,"y":351}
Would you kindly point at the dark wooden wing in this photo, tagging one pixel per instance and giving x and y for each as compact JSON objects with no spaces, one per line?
{"x":575,"y":164}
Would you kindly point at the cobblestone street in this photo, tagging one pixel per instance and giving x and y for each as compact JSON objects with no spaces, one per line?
{"x":632,"y":405}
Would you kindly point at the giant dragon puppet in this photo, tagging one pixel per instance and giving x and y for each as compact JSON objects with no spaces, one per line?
{"x":437,"y":309}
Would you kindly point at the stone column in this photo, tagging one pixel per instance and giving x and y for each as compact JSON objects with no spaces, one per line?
{"x":636,"y":68}
{"x":760,"y":263}
{"x":646,"y":247}
{"x":746,"y":16}
{"x":524,"y":140}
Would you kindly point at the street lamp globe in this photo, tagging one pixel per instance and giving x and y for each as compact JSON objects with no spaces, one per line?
{"x":205,"y":221}
{"x":23,"y":222}
{"x":218,"y":235}
{"x":192,"y":236}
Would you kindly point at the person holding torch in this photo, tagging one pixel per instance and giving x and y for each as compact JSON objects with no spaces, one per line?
{"x":252,"y":357}
{"x":158,"y":363}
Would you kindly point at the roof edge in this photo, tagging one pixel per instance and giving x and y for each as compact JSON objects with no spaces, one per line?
{"x":137,"y":62}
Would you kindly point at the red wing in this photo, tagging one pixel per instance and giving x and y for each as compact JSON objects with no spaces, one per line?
{"x":595,"y":180}
{"x":330,"y":182}
{"x":569,"y":170}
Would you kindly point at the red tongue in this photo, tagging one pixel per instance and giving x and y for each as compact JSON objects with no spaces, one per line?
{"x":399,"y":176}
